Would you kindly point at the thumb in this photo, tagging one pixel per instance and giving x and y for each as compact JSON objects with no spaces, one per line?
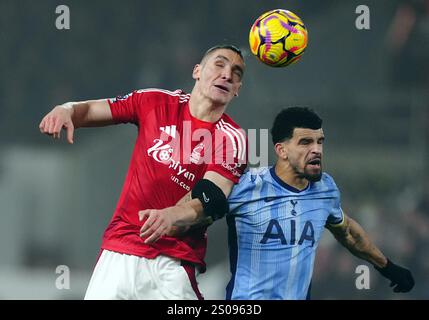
{"x":70,"y":130}
{"x":143,"y":214}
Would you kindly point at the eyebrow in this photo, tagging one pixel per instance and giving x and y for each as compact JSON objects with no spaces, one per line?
{"x":305,"y":139}
{"x":236,"y":66}
{"x":310,"y":138}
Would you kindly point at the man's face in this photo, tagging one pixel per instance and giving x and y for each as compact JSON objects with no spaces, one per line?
{"x":219,"y":75}
{"x":304,"y":153}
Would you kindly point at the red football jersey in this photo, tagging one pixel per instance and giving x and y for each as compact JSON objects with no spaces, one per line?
{"x":172,"y":152}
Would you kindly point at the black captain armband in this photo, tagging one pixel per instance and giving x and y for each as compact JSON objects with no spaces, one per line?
{"x":212,"y":197}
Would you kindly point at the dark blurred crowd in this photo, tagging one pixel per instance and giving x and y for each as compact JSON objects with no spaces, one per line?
{"x":399,"y":224}
{"x":110,"y":50}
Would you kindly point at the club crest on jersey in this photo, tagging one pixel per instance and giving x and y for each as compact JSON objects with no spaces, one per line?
{"x":160,"y":151}
{"x":293,"y":202}
{"x":197,"y":153}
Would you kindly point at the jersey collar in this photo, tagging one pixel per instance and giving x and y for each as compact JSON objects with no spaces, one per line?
{"x":197,"y":122}
{"x":284,"y":184}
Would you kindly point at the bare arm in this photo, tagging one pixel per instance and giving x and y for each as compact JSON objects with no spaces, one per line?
{"x":187,"y":212}
{"x":71,"y":115}
{"x":197,"y":216}
{"x":351,"y":235}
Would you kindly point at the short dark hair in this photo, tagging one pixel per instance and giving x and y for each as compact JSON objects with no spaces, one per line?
{"x":294,"y":117}
{"x":223,"y":46}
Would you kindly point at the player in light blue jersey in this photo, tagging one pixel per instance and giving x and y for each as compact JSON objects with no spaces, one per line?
{"x":278,"y":215}
{"x":274,"y":231}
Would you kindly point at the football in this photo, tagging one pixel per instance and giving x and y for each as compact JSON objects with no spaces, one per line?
{"x":278,"y":38}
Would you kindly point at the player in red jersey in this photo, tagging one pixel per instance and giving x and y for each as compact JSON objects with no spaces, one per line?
{"x":185,"y":142}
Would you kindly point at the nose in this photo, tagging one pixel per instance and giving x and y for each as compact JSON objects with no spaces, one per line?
{"x":317,"y":149}
{"x":227,"y":74}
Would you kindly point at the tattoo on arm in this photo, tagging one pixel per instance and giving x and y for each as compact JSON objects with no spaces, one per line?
{"x":205,"y":221}
{"x":355,"y":239}
{"x":187,"y":197}
{"x":202,"y":221}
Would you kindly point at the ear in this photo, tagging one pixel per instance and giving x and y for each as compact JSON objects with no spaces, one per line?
{"x":281,"y":150}
{"x":238,"y":90}
{"x":196,"y":72}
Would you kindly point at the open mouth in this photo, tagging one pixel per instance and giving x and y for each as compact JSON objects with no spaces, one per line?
{"x":315,"y":162}
{"x":221,"y":87}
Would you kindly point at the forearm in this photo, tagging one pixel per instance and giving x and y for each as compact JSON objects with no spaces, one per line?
{"x":191,"y":213}
{"x":173,"y":221}
{"x":195,"y":216}
{"x":208,"y":204}
{"x":351,"y":235}
{"x":88,"y":113}
{"x":359,"y":244}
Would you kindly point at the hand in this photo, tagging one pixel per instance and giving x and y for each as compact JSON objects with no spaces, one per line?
{"x":158,"y":223}
{"x":177,"y":231}
{"x":401,"y":278}
{"x":57,"y":119}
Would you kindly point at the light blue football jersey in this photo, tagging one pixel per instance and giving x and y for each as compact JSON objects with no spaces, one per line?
{"x":274,"y":231}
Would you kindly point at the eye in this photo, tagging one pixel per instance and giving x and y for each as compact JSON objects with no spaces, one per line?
{"x":238,"y":74}
{"x":304,"y":141}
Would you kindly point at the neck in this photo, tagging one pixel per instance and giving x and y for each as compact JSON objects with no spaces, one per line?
{"x":204,"y":109}
{"x":285,"y":172}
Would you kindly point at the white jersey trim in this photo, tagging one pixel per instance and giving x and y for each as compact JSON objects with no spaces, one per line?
{"x":227,"y":131}
{"x":236,"y":137}
{"x":177,"y":93}
{"x":240,"y":138}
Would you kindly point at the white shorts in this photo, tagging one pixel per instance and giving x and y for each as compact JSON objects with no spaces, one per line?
{"x":119,"y":276}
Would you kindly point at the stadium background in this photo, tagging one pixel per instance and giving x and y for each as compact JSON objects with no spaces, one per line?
{"x":370,"y":87}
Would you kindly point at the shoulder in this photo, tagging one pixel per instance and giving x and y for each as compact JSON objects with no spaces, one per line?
{"x":227,"y":126}
{"x":226,"y":119}
{"x":251,"y":179}
{"x":156,"y":94}
{"x":258,"y":173}
{"x":234,"y":135}
{"x":327,"y":178}
{"x":326,"y":184}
